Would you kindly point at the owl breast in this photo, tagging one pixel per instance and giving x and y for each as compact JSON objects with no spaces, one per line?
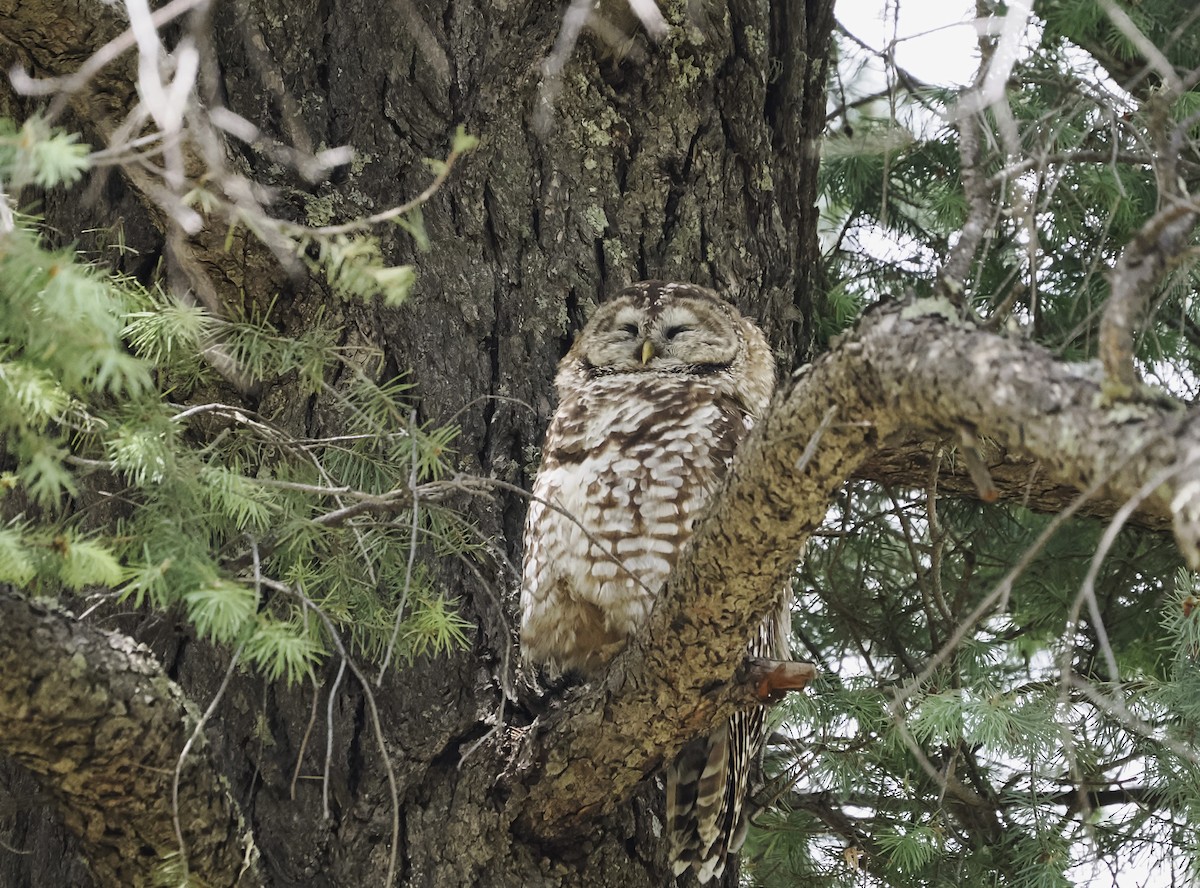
{"x":629,"y":464}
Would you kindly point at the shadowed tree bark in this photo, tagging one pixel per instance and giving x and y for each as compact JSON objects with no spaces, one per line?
{"x":93,"y":716}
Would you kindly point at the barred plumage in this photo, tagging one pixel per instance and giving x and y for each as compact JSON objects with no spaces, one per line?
{"x":708,"y":783}
{"x":655,"y":395}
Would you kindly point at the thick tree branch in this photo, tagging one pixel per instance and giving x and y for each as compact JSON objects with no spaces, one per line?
{"x":910,"y":369}
{"x":100,"y":725}
{"x":907,"y":462}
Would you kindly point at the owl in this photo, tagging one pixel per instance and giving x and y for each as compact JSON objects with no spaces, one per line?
{"x":655,"y":395}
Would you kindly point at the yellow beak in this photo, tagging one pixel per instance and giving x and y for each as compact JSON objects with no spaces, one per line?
{"x":647,"y":351}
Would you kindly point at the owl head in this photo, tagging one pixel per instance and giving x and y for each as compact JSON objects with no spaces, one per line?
{"x":674,"y":330}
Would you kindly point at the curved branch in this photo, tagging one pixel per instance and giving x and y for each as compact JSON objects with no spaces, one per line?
{"x":96,"y":720}
{"x":910,"y":368}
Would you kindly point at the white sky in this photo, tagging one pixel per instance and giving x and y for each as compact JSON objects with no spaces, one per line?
{"x":935,"y":41}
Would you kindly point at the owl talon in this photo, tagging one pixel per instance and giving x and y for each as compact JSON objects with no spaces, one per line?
{"x":771,"y":680}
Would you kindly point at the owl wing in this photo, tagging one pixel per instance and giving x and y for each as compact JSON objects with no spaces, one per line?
{"x":545,"y":630}
{"x":620,"y":483}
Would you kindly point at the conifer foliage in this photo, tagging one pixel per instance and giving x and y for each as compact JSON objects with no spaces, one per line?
{"x":1008,"y":698}
{"x":245,"y":528}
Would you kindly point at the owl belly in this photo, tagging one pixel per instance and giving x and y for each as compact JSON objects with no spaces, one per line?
{"x":626,"y":506}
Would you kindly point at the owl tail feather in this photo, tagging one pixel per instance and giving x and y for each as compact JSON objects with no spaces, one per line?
{"x":707,"y":814}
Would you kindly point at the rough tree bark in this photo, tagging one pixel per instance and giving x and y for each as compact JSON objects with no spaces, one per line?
{"x":99,"y":723}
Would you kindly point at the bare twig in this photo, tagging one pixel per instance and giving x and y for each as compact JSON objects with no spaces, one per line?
{"x":1161,"y":240}
{"x":7,"y":222}
{"x":333,"y":689}
{"x":976,"y":467}
{"x":412,"y":548}
{"x":1132,"y":285}
{"x":191,"y":741}
{"x":443,"y":173}
{"x":998,"y":594}
{"x":996,"y":64}
{"x":578,"y":15}
{"x":312,"y":720}
{"x":1019,"y":166}
{"x":62,"y":88}
{"x":376,"y":722}
{"x":1153,"y":55}
{"x":1087,"y":590}
{"x":811,"y":447}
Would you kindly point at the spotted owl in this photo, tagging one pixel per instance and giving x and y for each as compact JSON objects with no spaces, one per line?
{"x":655,"y":395}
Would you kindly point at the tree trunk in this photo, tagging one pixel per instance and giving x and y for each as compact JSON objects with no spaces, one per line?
{"x":696,"y":162}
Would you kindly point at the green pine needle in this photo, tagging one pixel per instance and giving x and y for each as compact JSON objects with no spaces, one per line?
{"x":283,"y":649}
{"x":17,"y":562}
{"x":435,"y":628}
{"x":87,"y":563}
{"x":222,"y":610}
